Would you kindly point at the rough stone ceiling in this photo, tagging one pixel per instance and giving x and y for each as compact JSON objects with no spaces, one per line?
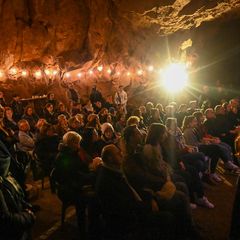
{"x":99,"y":30}
{"x":184,"y":14}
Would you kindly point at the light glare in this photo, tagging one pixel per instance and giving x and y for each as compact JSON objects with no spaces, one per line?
{"x":175,"y":77}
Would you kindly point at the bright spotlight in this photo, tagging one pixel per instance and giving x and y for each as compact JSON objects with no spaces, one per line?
{"x":175,"y":77}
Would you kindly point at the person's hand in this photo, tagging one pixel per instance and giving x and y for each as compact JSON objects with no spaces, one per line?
{"x":155,"y":207}
{"x":182,"y":166}
{"x":30,"y":213}
{"x":96,"y":162}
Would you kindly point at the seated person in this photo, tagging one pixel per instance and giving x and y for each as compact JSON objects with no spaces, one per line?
{"x":123,"y":209}
{"x":26,"y":141}
{"x":73,"y":174}
{"x":16,"y":218}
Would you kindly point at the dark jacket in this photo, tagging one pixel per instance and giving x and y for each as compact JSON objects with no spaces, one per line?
{"x":46,"y":149}
{"x":120,"y":208}
{"x":72,"y":172}
{"x":15,"y":220}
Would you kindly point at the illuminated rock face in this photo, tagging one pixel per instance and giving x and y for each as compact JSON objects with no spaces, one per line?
{"x":127,"y":32}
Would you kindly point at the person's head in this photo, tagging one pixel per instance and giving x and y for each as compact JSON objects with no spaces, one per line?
{"x":209,"y":113}
{"x":219,"y":110}
{"x":120,"y":88}
{"x":142,"y":109}
{"x":112,"y":111}
{"x":47,"y":129}
{"x":93,"y":118}
{"x":98,"y":104}
{"x":50,"y":96}
{"x":61,"y":107}
{"x":29,"y":111}
{"x":132,"y":136}
{"x":80,"y":118}
{"x":234,"y":102}
{"x":137,"y":112}
{"x":40,"y":123}
{"x":8,"y":113}
{"x":171,"y":124}
{"x":49,"y":107}
{"x":199,"y":116}
{"x":122,"y":117}
{"x":189,"y":122}
{"x":90,"y":135}
{"x":72,"y":140}
{"x":112,"y":156}
{"x":182,"y":108}
{"x":157,"y":134}
{"x":227,"y":107}
{"x":193,"y":104}
{"x":109,"y":118}
{"x":107,"y":130}
{"x":23,"y":125}
{"x":62,"y":120}
{"x":159,"y":106}
{"x":133,"y":120}
{"x":169,"y":110}
{"x":16,"y":97}
{"x":149,"y":106}
{"x":77,"y":106}
{"x":103,"y":112}
{"x":155,"y":113}
{"x":74,"y":123}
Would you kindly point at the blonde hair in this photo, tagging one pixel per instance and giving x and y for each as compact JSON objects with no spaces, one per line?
{"x":133,"y":120}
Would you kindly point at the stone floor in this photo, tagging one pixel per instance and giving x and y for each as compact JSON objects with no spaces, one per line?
{"x":214,"y":223}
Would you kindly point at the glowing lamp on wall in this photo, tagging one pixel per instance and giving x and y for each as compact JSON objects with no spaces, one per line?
{"x":24,"y":73}
{"x":100,"y":68}
{"x":13,"y":71}
{"x":38,"y":74}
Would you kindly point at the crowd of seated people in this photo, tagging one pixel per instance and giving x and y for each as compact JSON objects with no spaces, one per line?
{"x":145,"y":166}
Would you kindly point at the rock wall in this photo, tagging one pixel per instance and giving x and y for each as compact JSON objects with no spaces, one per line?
{"x":84,"y":33}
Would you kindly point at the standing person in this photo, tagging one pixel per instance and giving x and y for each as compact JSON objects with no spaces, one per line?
{"x":95,"y":95}
{"x":31,"y":117}
{"x":51,"y":99}
{"x":121,"y":98}
{"x":17,"y":108}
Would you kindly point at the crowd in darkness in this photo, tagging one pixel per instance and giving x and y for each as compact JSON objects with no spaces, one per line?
{"x":139,"y":170}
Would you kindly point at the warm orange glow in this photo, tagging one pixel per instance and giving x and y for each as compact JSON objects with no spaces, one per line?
{"x":128,"y":73}
{"x":79,"y":75}
{"x":1,"y":73}
{"x":118,"y":73}
{"x":109,"y":71}
{"x":24,"y":73}
{"x":13,"y":70}
{"x":48,"y":72}
{"x":100,"y":68}
{"x":91,"y":72}
{"x":139,"y":72}
{"x":38,"y":74}
{"x":150,"y":68}
{"x":55,"y":72}
{"x":67,"y":75}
